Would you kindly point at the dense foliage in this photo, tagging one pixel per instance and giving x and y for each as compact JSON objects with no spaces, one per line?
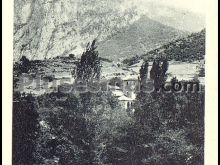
{"x":168,"y":128}
{"x":77,"y":129}
{"x":92,"y":128}
{"x":25,"y":129}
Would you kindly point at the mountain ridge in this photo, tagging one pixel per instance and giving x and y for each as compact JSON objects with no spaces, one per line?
{"x":140,"y":37}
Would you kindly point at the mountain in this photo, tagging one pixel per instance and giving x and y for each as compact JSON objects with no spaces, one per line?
{"x":142,"y":36}
{"x":186,"y":49}
{"x":50,"y":28}
{"x":182,"y":20}
{"x":186,"y":16}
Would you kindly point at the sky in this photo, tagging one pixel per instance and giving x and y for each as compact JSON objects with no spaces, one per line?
{"x":195,"y":6}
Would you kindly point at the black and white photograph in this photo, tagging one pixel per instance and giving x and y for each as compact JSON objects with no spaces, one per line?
{"x":109,"y":82}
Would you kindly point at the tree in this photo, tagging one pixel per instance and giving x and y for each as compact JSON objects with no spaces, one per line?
{"x":164,"y":67}
{"x":24,"y":65}
{"x":81,"y":128}
{"x":168,"y":128}
{"x":72,"y":56}
{"x":25,"y":129}
{"x":89,"y":68}
{"x":202,"y":72}
{"x":144,"y":71}
{"x":153,"y":70}
{"x":158,"y":73}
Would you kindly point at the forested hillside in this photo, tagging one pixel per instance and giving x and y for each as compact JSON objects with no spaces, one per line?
{"x":186,"y":49}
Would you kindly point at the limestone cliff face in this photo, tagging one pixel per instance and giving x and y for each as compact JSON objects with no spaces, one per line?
{"x":48,"y":28}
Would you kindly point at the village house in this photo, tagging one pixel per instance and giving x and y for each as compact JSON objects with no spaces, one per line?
{"x":130,"y":85}
{"x":126,"y":94}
